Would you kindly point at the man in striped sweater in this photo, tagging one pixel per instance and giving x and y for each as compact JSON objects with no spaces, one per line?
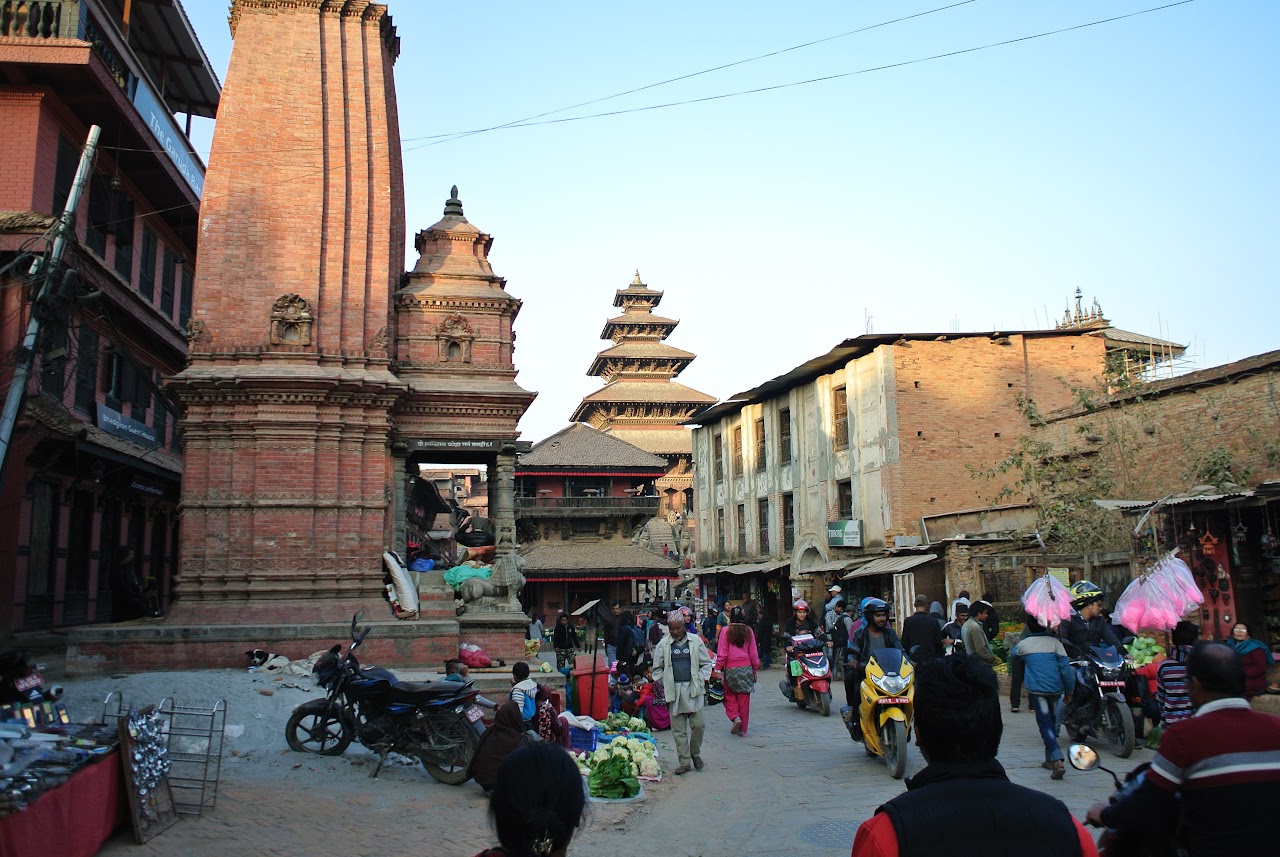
{"x":1171,"y":676}
{"x":1224,"y":762}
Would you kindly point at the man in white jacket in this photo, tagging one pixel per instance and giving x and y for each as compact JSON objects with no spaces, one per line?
{"x":683,"y":665}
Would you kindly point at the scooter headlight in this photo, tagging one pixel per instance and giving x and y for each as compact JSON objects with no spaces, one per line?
{"x":891,"y":684}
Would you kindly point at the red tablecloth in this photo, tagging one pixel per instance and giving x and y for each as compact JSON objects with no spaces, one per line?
{"x":72,"y":820}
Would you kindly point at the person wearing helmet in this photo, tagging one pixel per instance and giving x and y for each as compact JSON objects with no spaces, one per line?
{"x":801,"y":622}
{"x":876,"y":633}
{"x":1087,"y":627}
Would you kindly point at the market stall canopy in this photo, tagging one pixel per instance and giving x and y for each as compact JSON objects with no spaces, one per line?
{"x":891,"y":565}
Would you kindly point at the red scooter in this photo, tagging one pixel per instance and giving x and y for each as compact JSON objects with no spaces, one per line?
{"x":809,"y":675}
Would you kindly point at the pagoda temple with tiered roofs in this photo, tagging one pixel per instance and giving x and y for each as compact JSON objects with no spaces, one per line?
{"x":641,"y":402}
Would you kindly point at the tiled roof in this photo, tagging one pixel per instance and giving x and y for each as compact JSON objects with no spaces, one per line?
{"x":675,"y":440}
{"x":24,"y":220}
{"x":580,"y":445}
{"x":639,"y":317}
{"x":645,"y":349}
{"x":572,"y":556}
{"x":659,"y":390}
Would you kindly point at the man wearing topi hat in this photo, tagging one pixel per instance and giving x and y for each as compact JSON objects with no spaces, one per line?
{"x":833,"y":595}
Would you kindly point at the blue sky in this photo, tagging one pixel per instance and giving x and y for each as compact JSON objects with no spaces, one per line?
{"x":1134,"y":160}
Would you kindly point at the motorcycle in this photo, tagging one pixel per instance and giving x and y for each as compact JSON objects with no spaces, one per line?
{"x":20,"y":680}
{"x":1099,"y":706}
{"x":813,"y":673}
{"x":1157,"y":838}
{"x":887,"y":709}
{"x":437,"y":722}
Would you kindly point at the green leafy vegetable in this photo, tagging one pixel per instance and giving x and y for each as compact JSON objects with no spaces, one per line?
{"x":612,"y":778}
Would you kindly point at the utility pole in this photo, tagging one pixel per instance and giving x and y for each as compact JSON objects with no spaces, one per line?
{"x":26,"y":353}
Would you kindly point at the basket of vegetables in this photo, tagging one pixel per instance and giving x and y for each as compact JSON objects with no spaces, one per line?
{"x":613,"y":771}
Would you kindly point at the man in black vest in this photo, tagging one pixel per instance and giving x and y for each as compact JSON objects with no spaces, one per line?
{"x":958,"y":729}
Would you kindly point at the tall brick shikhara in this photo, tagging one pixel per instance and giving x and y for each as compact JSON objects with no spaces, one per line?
{"x":288,"y":394}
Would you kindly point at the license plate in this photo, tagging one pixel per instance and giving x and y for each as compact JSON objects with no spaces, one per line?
{"x":1111,"y":684}
{"x":474,"y":714}
{"x":27,"y":682}
{"x":892,"y":700}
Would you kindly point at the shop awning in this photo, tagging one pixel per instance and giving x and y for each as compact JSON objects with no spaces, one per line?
{"x":841,"y":564}
{"x":750,"y":567}
{"x":570,"y":577}
{"x":891,"y":565}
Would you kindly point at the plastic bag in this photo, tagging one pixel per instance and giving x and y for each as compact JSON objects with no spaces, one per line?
{"x":474,"y":657}
{"x":1048,"y":601}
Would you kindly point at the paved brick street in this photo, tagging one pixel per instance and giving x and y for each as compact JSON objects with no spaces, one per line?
{"x":796,"y":784}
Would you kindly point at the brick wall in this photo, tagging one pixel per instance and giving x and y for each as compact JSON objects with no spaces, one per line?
{"x":1153,"y":438}
{"x":957,"y":410}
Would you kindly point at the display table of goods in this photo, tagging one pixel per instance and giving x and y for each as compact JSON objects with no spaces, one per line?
{"x":61,"y":788}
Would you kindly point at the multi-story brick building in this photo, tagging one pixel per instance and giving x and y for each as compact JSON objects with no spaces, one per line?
{"x":825,"y":466}
{"x":95,"y":463}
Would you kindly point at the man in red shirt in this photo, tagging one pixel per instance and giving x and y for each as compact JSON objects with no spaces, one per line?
{"x":1224,"y":763}
{"x":958,"y":729}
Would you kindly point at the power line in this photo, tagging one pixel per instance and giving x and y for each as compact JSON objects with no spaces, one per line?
{"x":822,"y":79}
{"x":446,"y":138}
{"x":780,"y":51}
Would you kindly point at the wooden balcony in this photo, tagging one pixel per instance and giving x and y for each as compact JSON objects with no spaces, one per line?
{"x":586,"y":507}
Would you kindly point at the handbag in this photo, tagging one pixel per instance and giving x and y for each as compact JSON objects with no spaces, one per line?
{"x":740,"y":679}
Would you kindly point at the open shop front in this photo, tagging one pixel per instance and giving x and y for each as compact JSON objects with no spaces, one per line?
{"x":895,"y":579}
{"x":1231,"y":543}
{"x":767,"y":583}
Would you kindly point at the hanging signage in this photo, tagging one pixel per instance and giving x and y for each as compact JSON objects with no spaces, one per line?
{"x":166,"y":132}
{"x":844,"y":534}
{"x":115,"y":423}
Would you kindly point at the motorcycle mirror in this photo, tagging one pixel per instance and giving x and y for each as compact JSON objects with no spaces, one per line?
{"x":356,"y":632}
{"x":1082,"y":757}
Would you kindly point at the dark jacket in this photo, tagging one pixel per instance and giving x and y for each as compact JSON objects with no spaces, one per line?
{"x":858,"y":644}
{"x":922,"y":630}
{"x":563,"y":637}
{"x":1082,"y":634}
{"x":508,"y":733}
{"x":946,"y":798}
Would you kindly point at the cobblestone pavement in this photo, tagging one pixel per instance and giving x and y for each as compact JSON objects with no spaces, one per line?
{"x":796,"y":784}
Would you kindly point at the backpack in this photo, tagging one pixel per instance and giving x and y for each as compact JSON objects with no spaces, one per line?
{"x":529,"y":708}
{"x":840,"y":633}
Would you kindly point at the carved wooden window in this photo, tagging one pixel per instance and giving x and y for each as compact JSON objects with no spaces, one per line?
{"x":762,"y":522}
{"x":840,"y":411}
{"x":784,"y":436}
{"x":291,"y":321}
{"x":761,"y":455}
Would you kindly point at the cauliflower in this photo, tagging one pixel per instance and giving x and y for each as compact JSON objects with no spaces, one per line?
{"x":649,"y":768}
{"x":619,"y":741}
{"x":633,"y":744}
{"x":637,"y":725}
{"x":600,"y":755}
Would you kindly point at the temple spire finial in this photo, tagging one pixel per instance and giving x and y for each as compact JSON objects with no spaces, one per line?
{"x":636,"y":281}
{"x":454,"y":205}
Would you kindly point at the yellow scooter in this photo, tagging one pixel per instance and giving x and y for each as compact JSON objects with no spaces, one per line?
{"x":888,"y":705}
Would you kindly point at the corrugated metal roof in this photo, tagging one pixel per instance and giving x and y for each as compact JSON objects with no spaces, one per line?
{"x":1181,"y":500}
{"x":748,"y":567}
{"x":891,"y":565}
{"x":841,"y":564}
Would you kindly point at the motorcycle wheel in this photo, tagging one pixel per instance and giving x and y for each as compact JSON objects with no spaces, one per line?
{"x":453,"y":767}
{"x":1118,"y":724}
{"x":317,"y":727}
{"x":824,"y":704}
{"x":894,"y":741}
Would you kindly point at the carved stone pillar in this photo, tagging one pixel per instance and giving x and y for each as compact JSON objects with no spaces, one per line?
{"x":399,"y":503}
{"x":502,"y":502}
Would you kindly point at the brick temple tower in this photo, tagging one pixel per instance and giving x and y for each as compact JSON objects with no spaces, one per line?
{"x":641,"y":402}
{"x":288,"y":392}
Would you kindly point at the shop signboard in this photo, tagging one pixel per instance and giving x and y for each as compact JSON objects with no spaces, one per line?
{"x":115,"y":423}
{"x":844,"y":534}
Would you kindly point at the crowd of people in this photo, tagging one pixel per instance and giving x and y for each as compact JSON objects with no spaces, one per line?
{"x":1217,"y":759}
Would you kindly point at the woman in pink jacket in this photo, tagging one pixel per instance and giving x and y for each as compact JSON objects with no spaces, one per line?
{"x":738,"y":661}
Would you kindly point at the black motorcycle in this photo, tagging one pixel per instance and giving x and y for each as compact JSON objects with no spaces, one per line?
{"x":435,"y":722}
{"x":1158,"y":836}
{"x":1099,"y":707}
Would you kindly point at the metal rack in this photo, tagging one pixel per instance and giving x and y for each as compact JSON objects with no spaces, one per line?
{"x":114,"y":707}
{"x":195,"y":752}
